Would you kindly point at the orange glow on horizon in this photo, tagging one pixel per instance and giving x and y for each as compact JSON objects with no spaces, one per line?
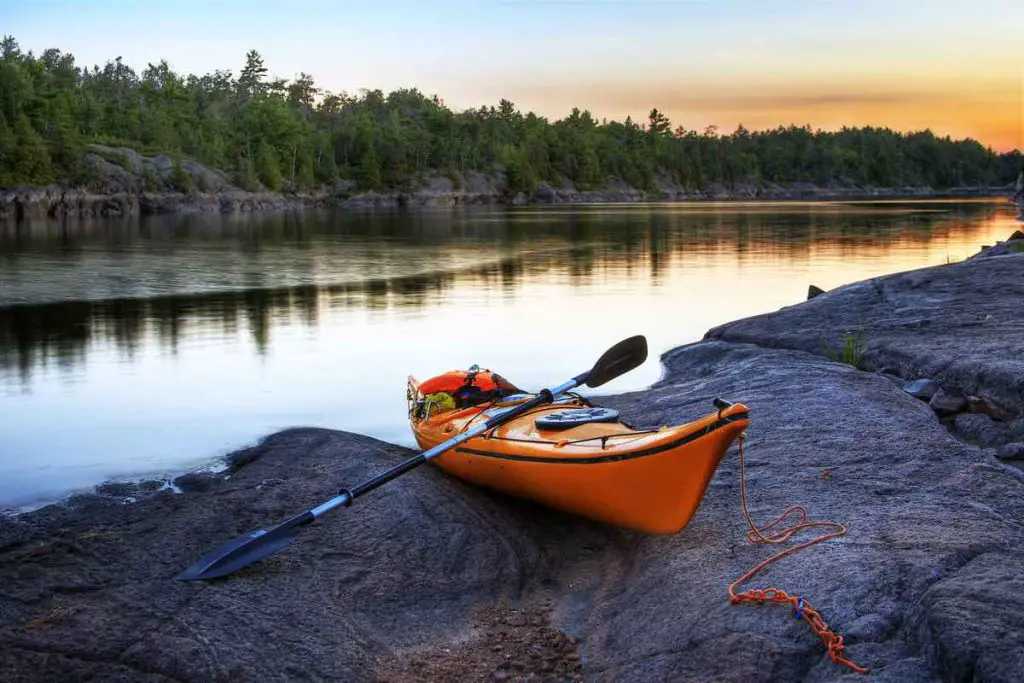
{"x":989,"y":109}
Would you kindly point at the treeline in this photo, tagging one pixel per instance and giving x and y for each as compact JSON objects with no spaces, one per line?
{"x":278,"y":133}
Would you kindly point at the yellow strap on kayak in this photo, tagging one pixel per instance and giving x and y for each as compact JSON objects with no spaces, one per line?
{"x":441,"y":400}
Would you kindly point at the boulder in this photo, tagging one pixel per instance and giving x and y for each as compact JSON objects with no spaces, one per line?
{"x":1011,"y":451}
{"x":1014,"y":244}
{"x":544,"y":194}
{"x":987,"y":406}
{"x":980,"y":429}
{"x":947,"y":403}
{"x":813,"y":291}
{"x":923,"y":388}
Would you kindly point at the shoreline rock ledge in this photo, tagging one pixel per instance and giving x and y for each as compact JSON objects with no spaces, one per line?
{"x":428,"y":579}
{"x":123,"y":182}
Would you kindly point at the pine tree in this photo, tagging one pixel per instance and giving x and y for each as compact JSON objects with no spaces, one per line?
{"x":31,"y":160}
{"x":66,"y":147}
{"x":8,"y":150}
{"x":250,"y":81}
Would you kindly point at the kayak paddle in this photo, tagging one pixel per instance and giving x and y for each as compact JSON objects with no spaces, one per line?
{"x":257,"y":545}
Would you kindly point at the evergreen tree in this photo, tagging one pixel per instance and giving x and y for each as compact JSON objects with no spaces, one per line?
{"x":66,"y":146}
{"x":369,"y":170}
{"x":250,"y":81}
{"x":304,"y":175}
{"x":268,"y":168}
{"x":8,"y":151}
{"x":246,"y":176}
{"x":31,"y":160}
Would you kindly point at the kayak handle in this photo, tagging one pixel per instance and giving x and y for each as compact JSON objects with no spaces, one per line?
{"x":721,"y":404}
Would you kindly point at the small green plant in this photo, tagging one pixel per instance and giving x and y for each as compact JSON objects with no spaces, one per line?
{"x":118,"y":158}
{"x":1017,"y":246}
{"x":149,"y":176}
{"x":454,"y":177}
{"x":852,"y":352}
{"x":180,"y":178}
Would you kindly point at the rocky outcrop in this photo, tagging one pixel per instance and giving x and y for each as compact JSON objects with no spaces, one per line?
{"x":433,"y":191}
{"x":1014,"y":244}
{"x":958,"y":325}
{"x":126,"y":183}
{"x":813,"y":291}
{"x":666,"y":189}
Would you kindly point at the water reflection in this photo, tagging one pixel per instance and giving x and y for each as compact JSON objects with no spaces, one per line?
{"x":133,"y":348}
{"x":484,"y":251}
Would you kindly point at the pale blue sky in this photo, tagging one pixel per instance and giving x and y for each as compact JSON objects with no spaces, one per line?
{"x":954,"y":66}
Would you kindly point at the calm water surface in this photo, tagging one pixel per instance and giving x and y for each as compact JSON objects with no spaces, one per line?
{"x":149,"y":347}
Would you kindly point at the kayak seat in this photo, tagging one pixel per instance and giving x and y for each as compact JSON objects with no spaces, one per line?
{"x":564,"y":419}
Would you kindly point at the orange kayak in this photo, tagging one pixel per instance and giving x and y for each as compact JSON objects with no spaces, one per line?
{"x":575,"y":456}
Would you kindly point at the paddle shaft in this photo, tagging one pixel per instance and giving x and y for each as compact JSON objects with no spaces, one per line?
{"x":257,"y":545}
{"x":348,"y":495}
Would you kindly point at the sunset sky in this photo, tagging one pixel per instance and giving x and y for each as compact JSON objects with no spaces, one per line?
{"x":956,"y":67}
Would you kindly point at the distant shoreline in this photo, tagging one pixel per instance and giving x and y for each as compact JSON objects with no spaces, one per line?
{"x":57,"y":202}
{"x":125,"y":183}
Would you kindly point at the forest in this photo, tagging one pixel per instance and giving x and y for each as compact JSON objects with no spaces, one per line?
{"x":279,"y":134}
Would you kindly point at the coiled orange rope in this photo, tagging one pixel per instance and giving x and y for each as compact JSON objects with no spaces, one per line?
{"x":802,"y":610}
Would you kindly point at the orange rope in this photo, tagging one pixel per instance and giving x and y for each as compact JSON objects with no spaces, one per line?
{"x":803,"y":610}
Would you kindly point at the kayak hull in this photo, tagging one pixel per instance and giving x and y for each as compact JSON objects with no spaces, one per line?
{"x":650,"y":481}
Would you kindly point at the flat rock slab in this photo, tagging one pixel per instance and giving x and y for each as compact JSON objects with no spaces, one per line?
{"x":88,"y":590}
{"x":961,"y":324}
{"x":924,"y":512}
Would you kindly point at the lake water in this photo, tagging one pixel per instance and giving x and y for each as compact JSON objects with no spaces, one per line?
{"x":149,"y":347}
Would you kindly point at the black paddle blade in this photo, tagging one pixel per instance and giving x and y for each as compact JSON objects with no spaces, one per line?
{"x":618,"y":360}
{"x":245,"y":550}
